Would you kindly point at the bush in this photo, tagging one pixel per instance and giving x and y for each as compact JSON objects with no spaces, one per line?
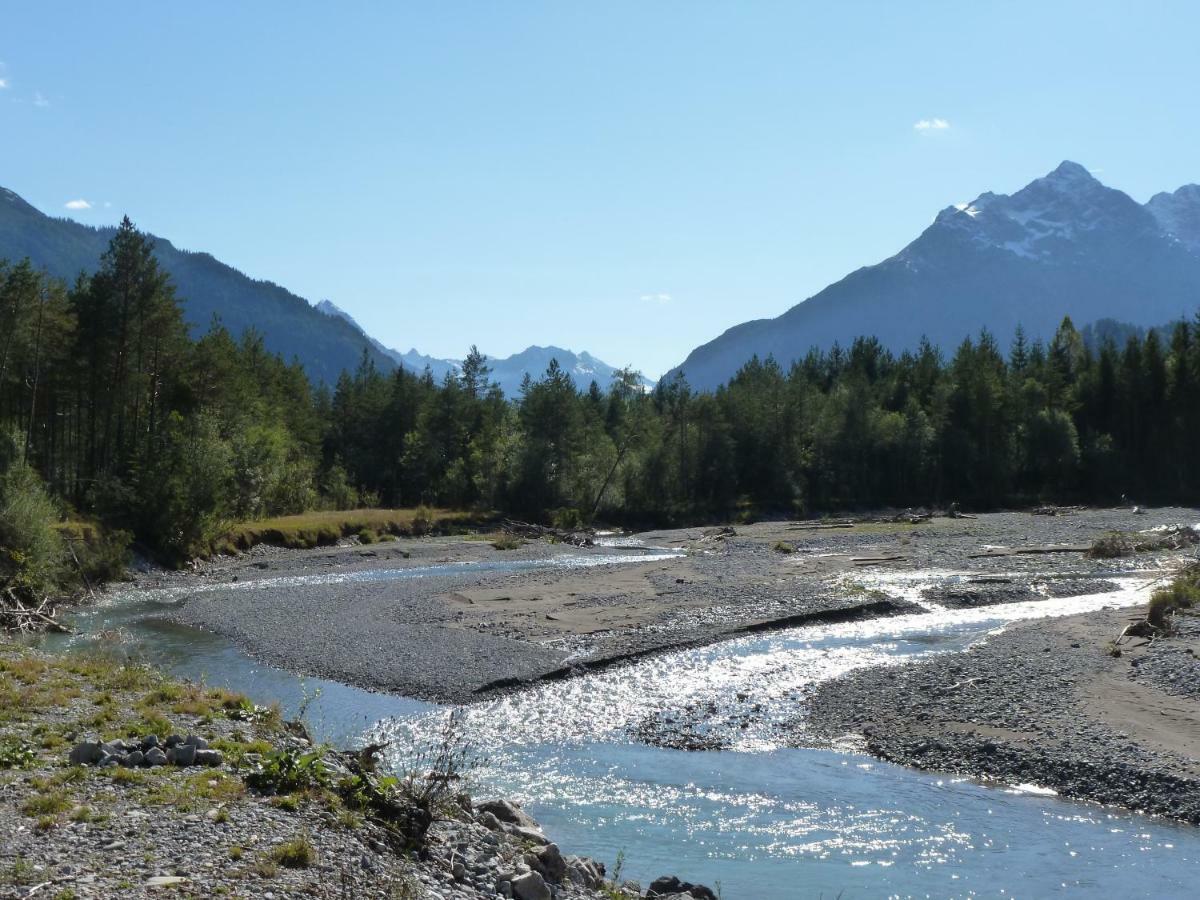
{"x":783,"y":547}
{"x":289,"y":770}
{"x":1182,"y":593}
{"x":297,"y":853}
{"x":31,"y":551}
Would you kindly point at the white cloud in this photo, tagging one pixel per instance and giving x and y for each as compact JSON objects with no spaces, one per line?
{"x":77,"y":204}
{"x":931,"y":125}
{"x":39,"y":99}
{"x":3,"y":83}
{"x":656,"y":298}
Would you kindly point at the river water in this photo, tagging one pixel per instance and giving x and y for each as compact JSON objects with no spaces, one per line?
{"x":763,"y":820}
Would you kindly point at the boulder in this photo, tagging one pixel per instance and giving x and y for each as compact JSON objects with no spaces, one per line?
{"x":670,"y":885}
{"x":551,"y":863}
{"x":85,"y":753}
{"x":133,"y":760}
{"x":212,"y":758}
{"x":149,"y":741}
{"x":585,"y":872}
{"x":509,"y":812}
{"x":530,"y":886}
{"x":194,"y":740}
{"x":182,"y":755}
{"x":172,"y":740}
{"x":533,"y":835}
{"x":155,"y":757}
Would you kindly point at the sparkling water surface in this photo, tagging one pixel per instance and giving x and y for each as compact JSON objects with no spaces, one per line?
{"x":764,"y":820}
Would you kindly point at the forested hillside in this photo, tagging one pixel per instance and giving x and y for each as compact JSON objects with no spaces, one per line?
{"x":205,"y":287}
{"x":108,"y":402}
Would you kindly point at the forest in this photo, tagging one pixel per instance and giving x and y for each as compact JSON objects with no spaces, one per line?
{"x":110,"y":413}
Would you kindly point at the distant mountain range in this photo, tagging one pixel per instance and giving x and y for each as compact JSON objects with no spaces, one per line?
{"x":204,"y":285}
{"x":1063,"y":245}
{"x":508,"y":371}
{"x":290,"y":325}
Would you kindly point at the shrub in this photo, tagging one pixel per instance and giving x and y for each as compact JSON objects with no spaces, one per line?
{"x":297,"y":853}
{"x":507,"y":542}
{"x":31,"y":551}
{"x":783,"y":547}
{"x":288,"y":770}
{"x":1182,"y":593}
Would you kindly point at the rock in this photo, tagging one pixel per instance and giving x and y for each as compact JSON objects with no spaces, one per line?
{"x":149,"y":741}
{"x":196,"y":741}
{"x":670,"y":885}
{"x":458,"y":871}
{"x":172,"y":740}
{"x":534,"y":836}
{"x":133,"y":760}
{"x":509,"y":812}
{"x":504,"y":888}
{"x":165,"y":880}
{"x":489,"y":821}
{"x":182,"y":755}
{"x":212,"y":758}
{"x":85,"y":753}
{"x":155,"y":757}
{"x":530,"y":886}
{"x":551,"y":863}
{"x":585,"y":871}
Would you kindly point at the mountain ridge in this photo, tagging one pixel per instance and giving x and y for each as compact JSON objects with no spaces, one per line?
{"x":507,"y":371}
{"x":204,"y":285}
{"x":1065,"y":244}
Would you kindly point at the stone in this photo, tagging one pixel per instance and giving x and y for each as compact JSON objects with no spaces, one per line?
{"x":172,"y":740}
{"x":194,"y":740}
{"x":534,"y":836}
{"x":211,"y":758}
{"x":133,"y":760}
{"x":489,"y":821}
{"x":507,"y":811}
{"x":85,"y":753}
{"x":458,"y":871}
{"x":504,"y":888}
{"x":149,"y":741}
{"x":551,"y":863}
{"x":155,"y":757}
{"x":182,"y":754}
{"x":530,"y":886}
{"x":165,"y":880}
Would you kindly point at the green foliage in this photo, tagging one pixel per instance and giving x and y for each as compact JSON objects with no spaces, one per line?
{"x":31,"y":551}
{"x":16,"y":753}
{"x":289,"y":770}
{"x":297,"y":853}
{"x":1182,"y":593}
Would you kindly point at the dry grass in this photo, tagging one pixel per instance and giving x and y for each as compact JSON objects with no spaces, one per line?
{"x":316,"y":529}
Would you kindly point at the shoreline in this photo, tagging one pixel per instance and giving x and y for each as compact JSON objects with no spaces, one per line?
{"x":1043,"y":703}
{"x":468,"y":629}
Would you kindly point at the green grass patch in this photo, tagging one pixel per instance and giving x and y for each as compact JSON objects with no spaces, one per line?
{"x":1182,"y":593}
{"x":297,"y":853}
{"x":323,"y":528}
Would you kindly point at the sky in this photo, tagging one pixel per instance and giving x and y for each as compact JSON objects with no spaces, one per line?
{"x":629,"y":179}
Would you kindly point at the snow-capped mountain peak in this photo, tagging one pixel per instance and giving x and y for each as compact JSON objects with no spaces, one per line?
{"x":1178,"y":214}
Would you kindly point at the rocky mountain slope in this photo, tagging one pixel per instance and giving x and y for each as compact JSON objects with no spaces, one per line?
{"x":1063,"y":245}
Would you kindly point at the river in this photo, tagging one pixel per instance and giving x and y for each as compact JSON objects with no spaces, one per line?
{"x":761,"y":819}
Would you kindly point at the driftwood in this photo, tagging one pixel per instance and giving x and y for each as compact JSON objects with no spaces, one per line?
{"x":578,"y":538}
{"x":18,"y":615}
{"x":1050,"y":510}
{"x":1027,"y":551}
{"x":821,"y":527}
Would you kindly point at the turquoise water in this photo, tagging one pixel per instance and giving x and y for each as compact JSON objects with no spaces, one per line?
{"x":763,"y":820}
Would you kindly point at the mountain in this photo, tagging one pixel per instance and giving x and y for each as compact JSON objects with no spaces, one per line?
{"x":205,"y":287}
{"x":1063,"y":245}
{"x":509,"y":371}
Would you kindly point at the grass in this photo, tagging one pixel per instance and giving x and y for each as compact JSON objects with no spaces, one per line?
{"x":297,"y":853}
{"x":783,"y":547}
{"x":1116,"y":544}
{"x":507,"y":542}
{"x":322,"y":528}
{"x":1182,"y":593}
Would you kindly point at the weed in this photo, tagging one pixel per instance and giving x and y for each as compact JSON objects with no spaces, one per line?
{"x":783,"y":547}
{"x":16,"y":753}
{"x":289,"y":770}
{"x":297,"y":853}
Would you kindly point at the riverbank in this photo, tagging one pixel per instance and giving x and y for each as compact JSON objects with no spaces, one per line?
{"x":133,"y":830}
{"x":453,"y":620}
{"x":1051,"y":703}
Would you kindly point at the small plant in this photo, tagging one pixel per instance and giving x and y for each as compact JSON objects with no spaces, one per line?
{"x":236,"y":853}
{"x":297,"y":853}
{"x":16,"y":753}
{"x":783,"y":547}
{"x":289,"y":770}
{"x":507,"y":542}
{"x":367,"y":536}
{"x":1182,"y":593}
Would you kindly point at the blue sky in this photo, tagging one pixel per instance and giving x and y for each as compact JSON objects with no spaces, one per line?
{"x":625,"y":178}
